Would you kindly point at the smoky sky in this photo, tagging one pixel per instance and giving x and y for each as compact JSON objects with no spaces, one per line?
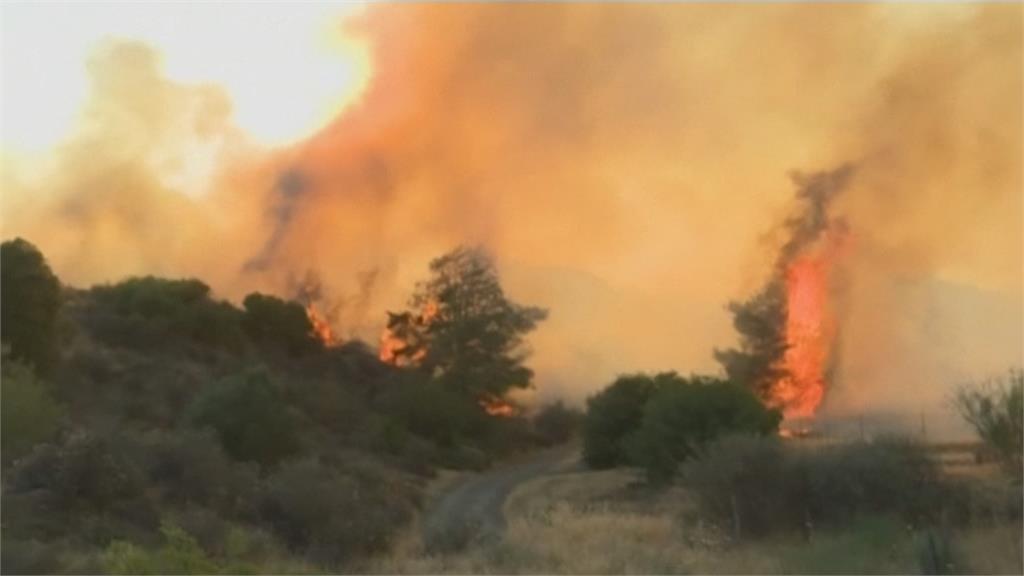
{"x":627,"y":165}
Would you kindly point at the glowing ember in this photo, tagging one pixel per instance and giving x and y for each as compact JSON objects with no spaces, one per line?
{"x":498,"y":407}
{"x":321,"y":327}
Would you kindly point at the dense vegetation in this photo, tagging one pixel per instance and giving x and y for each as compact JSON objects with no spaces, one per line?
{"x":151,"y":428}
{"x":657,"y":422}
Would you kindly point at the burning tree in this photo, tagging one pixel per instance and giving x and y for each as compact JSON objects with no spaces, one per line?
{"x":787,"y":330}
{"x":463,"y":330}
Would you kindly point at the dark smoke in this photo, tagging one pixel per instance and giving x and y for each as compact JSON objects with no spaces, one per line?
{"x":290,"y":188}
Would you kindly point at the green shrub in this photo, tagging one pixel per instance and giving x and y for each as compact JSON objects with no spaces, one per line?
{"x":154,"y":313}
{"x":28,"y":557}
{"x":683,"y":416}
{"x":190,"y":467}
{"x":433,"y":411}
{"x":657,"y":422}
{"x":995,"y":409}
{"x":555,"y":423}
{"x":279,"y":324}
{"x":29,"y":305}
{"x":29,"y":414}
{"x":869,"y":545}
{"x":761,"y":485}
{"x":613,"y":415}
{"x":179,"y":554}
{"x":248,"y":415}
{"x":332,"y":517}
{"x":89,"y":488}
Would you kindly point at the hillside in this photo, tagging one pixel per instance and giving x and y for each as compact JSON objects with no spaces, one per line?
{"x":173,"y":431}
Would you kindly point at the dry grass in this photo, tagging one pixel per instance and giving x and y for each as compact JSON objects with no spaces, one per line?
{"x":993,"y":549}
{"x":605,"y":523}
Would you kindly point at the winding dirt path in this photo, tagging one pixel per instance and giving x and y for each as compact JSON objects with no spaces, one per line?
{"x":471,"y":510}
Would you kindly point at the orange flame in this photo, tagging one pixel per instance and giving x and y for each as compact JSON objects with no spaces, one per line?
{"x":810,"y":330}
{"x":397,"y":337}
{"x":321,"y":327}
{"x":498,"y":407}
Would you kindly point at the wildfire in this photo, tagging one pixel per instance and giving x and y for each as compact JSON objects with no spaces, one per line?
{"x":321,"y":327}
{"x":498,"y":407}
{"x":401,"y":341}
{"x":810,"y":329}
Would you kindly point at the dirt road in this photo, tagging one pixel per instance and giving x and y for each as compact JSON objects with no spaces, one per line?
{"x":471,"y":510}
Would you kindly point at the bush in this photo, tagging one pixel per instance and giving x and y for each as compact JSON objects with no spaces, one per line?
{"x":248,"y":415}
{"x":179,"y":554}
{"x":29,"y":305}
{"x":683,"y":416}
{"x":433,"y":411}
{"x":279,"y":324}
{"x":151,"y":312}
{"x":189,"y":467}
{"x":758,"y":485}
{"x":28,"y":557}
{"x":29,"y":414}
{"x":657,"y":422}
{"x":89,"y":487}
{"x":331,"y":517}
{"x":613,"y":415}
{"x":995,"y":409}
{"x":555,"y":424}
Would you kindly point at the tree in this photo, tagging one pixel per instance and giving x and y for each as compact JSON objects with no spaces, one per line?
{"x":614,"y":414}
{"x":30,"y":414}
{"x":29,"y":304}
{"x":760,"y":322}
{"x":247,"y":413}
{"x":468,"y":335}
{"x":995,"y":409}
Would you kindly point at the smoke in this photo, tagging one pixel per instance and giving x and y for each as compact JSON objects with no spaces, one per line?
{"x":291,"y":187}
{"x":625,"y":164}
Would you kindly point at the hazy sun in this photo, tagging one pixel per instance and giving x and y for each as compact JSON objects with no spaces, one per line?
{"x":288,"y":68}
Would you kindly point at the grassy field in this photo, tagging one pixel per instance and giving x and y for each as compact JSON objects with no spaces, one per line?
{"x":603,"y":522}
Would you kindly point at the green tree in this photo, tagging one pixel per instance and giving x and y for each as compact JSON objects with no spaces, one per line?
{"x":29,"y":413}
{"x":276,"y":322}
{"x":684,"y":415}
{"x":248,"y":414}
{"x":614,"y":414}
{"x":468,"y":334}
{"x":995,"y":409}
{"x":29,"y":304}
{"x":760,"y":322}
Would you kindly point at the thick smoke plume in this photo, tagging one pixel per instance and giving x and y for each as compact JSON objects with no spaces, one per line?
{"x":621,"y":162}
